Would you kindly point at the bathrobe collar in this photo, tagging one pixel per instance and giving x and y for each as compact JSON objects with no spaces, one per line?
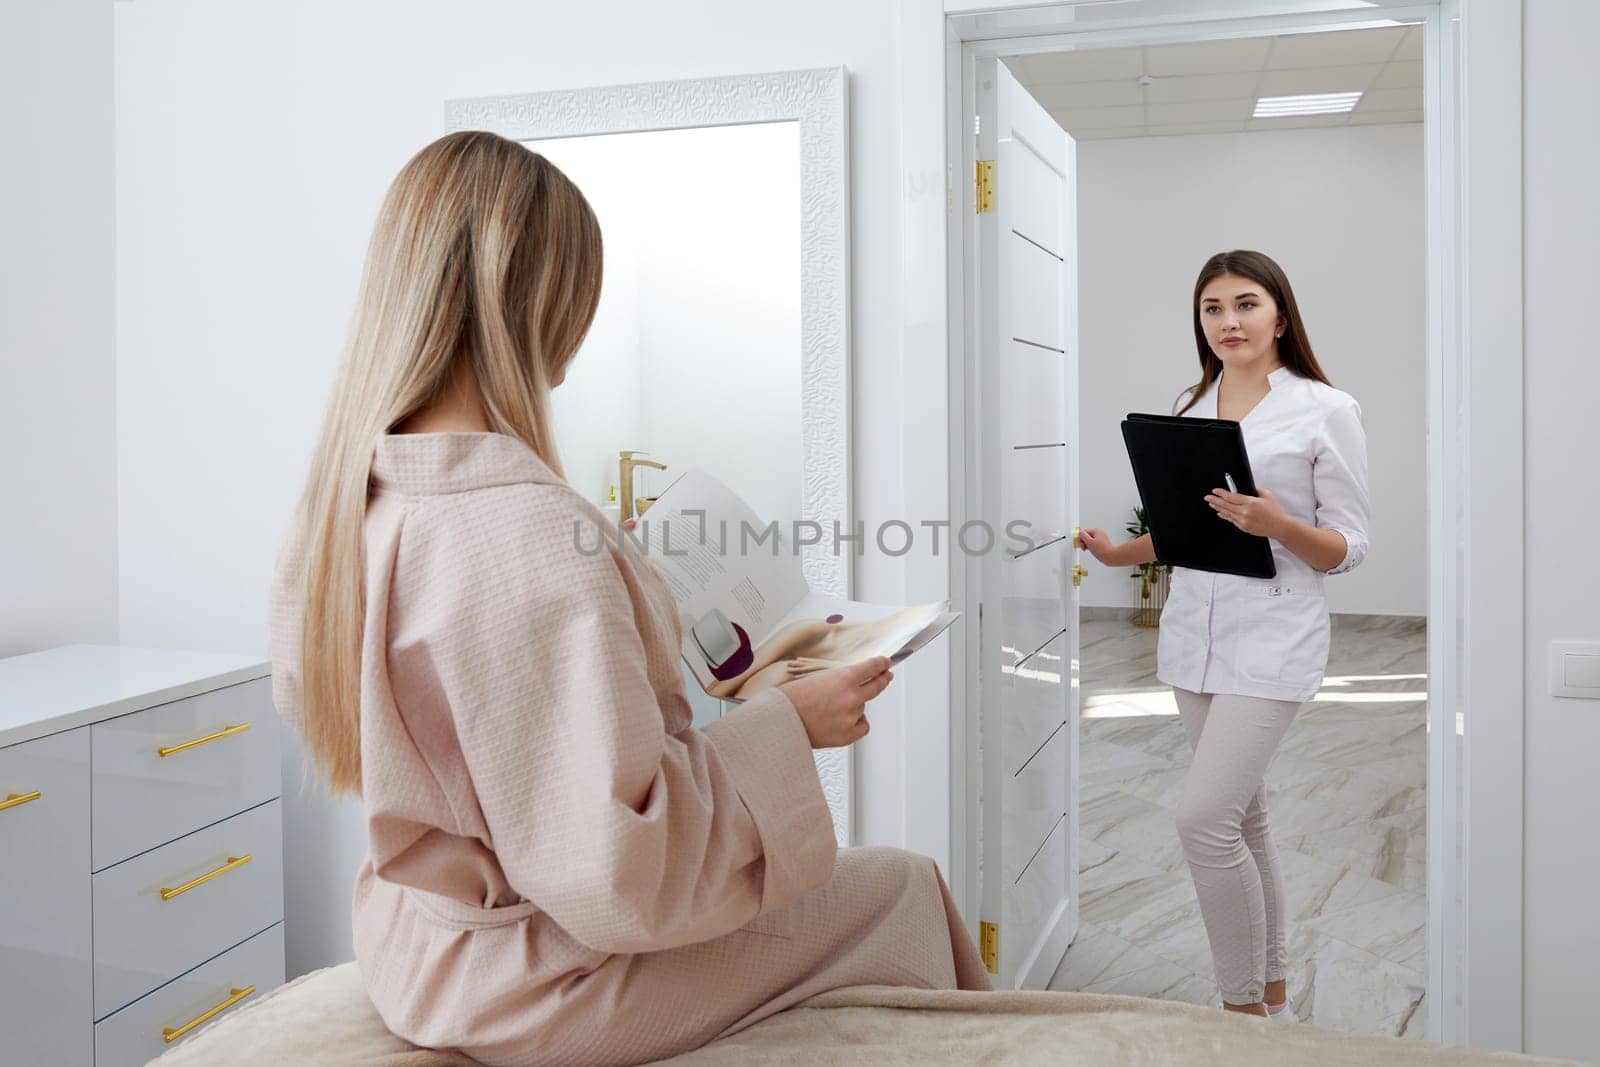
{"x":432,"y":464}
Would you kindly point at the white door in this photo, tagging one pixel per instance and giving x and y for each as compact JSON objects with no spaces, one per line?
{"x":1027,"y":470}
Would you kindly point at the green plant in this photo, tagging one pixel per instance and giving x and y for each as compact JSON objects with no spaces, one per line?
{"x":1147,"y":573}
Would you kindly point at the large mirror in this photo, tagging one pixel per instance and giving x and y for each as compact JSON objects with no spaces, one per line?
{"x":720,"y":341}
{"x":694,"y":356}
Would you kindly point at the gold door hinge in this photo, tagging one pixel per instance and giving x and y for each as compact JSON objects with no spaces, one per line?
{"x":984,"y":179}
{"x":989,"y":946}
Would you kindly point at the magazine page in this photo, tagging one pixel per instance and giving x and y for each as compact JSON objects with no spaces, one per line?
{"x":735,"y":578}
{"x":824,"y":631}
{"x":939,"y":625}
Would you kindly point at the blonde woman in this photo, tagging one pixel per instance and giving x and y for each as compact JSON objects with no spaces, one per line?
{"x":560,"y":869}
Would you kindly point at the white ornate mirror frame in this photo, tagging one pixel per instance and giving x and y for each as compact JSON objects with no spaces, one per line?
{"x":816,"y":99}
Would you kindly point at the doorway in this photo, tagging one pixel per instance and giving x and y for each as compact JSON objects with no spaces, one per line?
{"x":1456,"y":531}
{"x":1170,"y":167}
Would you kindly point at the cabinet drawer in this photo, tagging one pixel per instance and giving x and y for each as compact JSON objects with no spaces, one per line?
{"x":141,"y":939}
{"x":142,"y":798}
{"x":135,"y":1035}
{"x":46,"y":1000}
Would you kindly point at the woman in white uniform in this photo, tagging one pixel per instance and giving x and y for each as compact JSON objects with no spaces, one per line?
{"x":1242,"y":654}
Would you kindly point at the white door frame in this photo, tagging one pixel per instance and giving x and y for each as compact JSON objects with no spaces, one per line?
{"x":1473,"y":167}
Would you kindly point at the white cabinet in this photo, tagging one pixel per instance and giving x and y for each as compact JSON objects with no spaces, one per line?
{"x":141,"y":849}
{"x":46,"y":958}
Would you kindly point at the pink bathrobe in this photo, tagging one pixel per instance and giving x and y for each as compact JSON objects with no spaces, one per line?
{"x":561,"y":869}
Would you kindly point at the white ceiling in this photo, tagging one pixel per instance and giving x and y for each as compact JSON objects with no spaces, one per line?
{"x":1212,"y":87}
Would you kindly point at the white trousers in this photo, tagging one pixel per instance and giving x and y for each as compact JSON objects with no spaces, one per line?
{"x":1222,"y":823}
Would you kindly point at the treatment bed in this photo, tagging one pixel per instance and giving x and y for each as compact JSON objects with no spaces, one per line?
{"x":325,"y":1018}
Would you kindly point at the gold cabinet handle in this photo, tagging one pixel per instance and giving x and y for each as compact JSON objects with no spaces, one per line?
{"x":16,"y":800}
{"x":226,"y":731}
{"x":233,"y":864}
{"x":170,"y":1034}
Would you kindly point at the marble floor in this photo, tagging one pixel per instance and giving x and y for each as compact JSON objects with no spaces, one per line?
{"x":1347,"y":804}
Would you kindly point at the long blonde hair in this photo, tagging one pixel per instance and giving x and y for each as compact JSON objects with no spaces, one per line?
{"x":483,"y":252}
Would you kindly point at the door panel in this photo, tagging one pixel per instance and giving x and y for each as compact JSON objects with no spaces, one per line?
{"x":1034,"y":799}
{"x":1030,"y":307}
{"x":1036,"y":187}
{"x":1032,"y":378}
{"x":1034,"y":900}
{"x":1032,"y":480}
{"x":1025,"y":307}
{"x":1035,"y":693}
{"x":1032,"y":599}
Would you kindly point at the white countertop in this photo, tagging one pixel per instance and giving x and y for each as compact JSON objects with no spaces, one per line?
{"x":62,"y":688}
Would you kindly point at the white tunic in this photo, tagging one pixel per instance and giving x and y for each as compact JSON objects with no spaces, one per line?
{"x":1221,"y":633}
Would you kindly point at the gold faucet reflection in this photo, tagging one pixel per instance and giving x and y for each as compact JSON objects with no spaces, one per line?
{"x":625,"y":468}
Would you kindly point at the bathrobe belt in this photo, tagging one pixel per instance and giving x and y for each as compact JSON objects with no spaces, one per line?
{"x":460,"y":915}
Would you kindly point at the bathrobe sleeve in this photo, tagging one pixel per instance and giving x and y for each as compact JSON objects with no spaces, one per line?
{"x":631,"y":838}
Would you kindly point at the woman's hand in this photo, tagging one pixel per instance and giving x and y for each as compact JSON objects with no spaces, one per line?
{"x":832,"y":703}
{"x":1260,"y":515}
{"x":1098,"y":544}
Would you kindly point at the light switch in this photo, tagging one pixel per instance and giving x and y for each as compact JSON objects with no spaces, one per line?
{"x":1575,"y":669}
{"x":1582,"y":670}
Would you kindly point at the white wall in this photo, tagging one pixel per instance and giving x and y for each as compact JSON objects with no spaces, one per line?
{"x":58,"y":519}
{"x":1561,"y":499}
{"x":253,"y":144}
{"x":1341,"y":210}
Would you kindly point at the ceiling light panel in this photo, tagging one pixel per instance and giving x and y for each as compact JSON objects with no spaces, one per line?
{"x":1268,"y":107}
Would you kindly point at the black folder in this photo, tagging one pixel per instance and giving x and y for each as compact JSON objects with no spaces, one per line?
{"x":1177,"y":461}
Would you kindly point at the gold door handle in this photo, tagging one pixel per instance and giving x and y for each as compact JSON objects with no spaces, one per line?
{"x":233,"y":864}
{"x":1079,"y":572}
{"x":226,"y":731}
{"x":1075,"y":532}
{"x":170,"y":1034}
{"x":16,"y":800}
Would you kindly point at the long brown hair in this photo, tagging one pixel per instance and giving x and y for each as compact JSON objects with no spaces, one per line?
{"x":1294,"y":347}
{"x":483,"y":254}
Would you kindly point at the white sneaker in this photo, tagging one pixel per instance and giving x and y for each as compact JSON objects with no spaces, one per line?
{"x":1282,"y":1013}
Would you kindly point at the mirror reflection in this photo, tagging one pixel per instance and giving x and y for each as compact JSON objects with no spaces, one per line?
{"x":694,"y":356}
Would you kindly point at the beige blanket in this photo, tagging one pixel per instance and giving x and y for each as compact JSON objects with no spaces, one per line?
{"x":325,"y":1018}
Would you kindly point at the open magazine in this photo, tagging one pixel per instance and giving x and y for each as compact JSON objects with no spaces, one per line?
{"x":749,"y":619}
